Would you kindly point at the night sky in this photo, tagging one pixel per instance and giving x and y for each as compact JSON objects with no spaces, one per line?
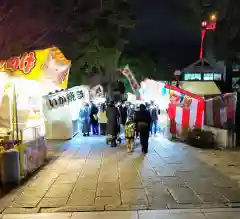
{"x":165,"y":32}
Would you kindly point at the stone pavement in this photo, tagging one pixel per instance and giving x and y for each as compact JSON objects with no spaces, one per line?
{"x":142,"y":214}
{"x":91,"y":176}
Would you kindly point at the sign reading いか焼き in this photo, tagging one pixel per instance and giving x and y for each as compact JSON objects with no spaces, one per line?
{"x":55,"y":100}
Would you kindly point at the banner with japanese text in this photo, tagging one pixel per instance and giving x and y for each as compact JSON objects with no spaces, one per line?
{"x":40,"y":65}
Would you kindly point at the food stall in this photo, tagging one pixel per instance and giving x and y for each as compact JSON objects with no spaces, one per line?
{"x":220,"y":113}
{"x":24,"y":80}
{"x":185,"y":111}
{"x":180,"y":110}
{"x":61,"y":111}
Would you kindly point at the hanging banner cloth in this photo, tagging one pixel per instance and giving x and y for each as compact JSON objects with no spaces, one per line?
{"x":220,"y":111}
{"x":132,"y":81}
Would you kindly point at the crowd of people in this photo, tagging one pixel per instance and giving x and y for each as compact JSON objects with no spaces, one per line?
{"x":114,"y":118}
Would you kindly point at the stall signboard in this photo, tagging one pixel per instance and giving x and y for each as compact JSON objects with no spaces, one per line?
{"x":64,"y":97}
{"x":181,"y":100}
{"x":40,"y":65}
{"x":96,"y":92}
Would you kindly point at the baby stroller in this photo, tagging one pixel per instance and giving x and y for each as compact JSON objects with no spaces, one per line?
{"x":118,"y":140}
{"x":110,"y":138}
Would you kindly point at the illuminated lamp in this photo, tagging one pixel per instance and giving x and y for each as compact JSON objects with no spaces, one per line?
{"x":213,"y":17}
{"x":204,"y":23}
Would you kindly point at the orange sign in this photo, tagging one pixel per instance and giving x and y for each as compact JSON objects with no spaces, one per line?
{"x":24,"y":63}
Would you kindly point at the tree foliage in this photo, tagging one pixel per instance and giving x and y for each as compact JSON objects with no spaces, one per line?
{"x":91,"y":31}
{"x":103,"y":44}
{"x":227,"y":36}
{"x":27,"y":25}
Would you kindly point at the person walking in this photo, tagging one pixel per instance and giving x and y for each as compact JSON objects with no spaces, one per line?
{"x":143,"y":122}
{"x":112,"y":122}
{"x":85,"y":119}
{"x":103,"y":119}
{"x":123,"y":116}
{"x":94,"y":119}
{"x":154,"y":115}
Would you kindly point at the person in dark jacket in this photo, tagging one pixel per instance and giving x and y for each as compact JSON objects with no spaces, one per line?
{"x":143,"y":121}
{"x":123,"y":114}
{"x":154,"y":114}
{"x":112,"y":114}
{"x":94,"y":119}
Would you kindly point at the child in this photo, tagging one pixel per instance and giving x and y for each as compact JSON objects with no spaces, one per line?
{"x":129,"y":131}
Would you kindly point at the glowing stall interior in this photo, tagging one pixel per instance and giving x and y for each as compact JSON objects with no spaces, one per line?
{"x":24,"y":80}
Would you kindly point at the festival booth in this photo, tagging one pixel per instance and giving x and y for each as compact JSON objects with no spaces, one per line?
{"x":185,"y":111}
{"x":220,"y":118}
{"x":61,"y":110}
{"x":152,"y":90}
{"x":23,"y":81}
{"x":180,"y":110}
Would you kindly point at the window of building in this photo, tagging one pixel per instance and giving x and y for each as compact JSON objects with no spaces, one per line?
{"x":192,"y":76}
{"x":208,"y":77}
{"x":217,"y":76}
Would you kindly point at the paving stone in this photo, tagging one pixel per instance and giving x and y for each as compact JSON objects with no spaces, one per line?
{"x":130,"y":183}
{"x":134,"y":197}
{"x":59,"y":191}
{"x":106,"y":215}
{"x":166,"y":172}
{"x":9,"y":198}
{"x":21,"y":210}
{"x":32,"y":191}
{"x":159,"y":198}
{"x":173,"y":182}
{"x":87,"y":183}
{"x":161,"y":215}
{"x":222,"y":215}
{"x":26,"y":201}
{"x":114,"y":200}
{"x":67,"y":178}
{"x":87,"y":173}
{"x":82,"y":197}
{"x":42,"y":184}
{"x":109,"y":178}
{"x":126,"y":207}
{"x":231,"y":195}
{"x":52,"y":202}
{"x":108,"y":189}
{"x":212,"y":198}
{"x":183,"y":195}
{"x":203,"y":188}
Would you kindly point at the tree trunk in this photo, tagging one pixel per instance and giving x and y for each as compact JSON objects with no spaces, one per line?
{"x":110,"y":91}
{"x":228,"y":78}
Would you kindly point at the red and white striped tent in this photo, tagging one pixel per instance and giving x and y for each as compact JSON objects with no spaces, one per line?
{"x":220,"y":111}
{"x":185,"y":111}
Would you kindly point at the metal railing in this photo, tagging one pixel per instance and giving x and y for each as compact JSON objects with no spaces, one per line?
{"x":32,"y":133}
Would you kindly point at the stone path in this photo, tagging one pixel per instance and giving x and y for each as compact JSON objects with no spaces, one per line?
{"x":91,"y":176}
{"x":142,"y":214}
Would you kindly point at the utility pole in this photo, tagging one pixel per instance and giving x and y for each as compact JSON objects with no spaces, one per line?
{"x":209,"y":24}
